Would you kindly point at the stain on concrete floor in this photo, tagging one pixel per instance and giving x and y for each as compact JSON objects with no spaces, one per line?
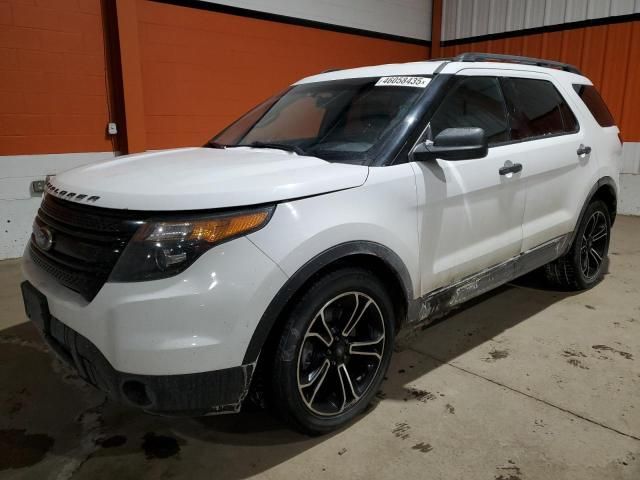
{"x":113,"y":441}
{"x":160,"y":446}
{"x":605,"y":348}
{"x":422,"y":447}
{"x":496,"y":354}
{"x":19,"y":449}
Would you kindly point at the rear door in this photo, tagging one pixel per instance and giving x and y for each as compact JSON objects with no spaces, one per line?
{"x":471,"y":214}
{"x":556,"y":166}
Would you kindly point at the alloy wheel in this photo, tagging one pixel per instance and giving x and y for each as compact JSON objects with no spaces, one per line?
{"x":593,"y":245}
{"x":340,"y":353}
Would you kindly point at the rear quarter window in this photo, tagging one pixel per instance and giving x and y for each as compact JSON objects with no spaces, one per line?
{"x":595,"y":104}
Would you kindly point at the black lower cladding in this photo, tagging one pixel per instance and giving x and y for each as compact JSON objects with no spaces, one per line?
{"x":188,"y":394}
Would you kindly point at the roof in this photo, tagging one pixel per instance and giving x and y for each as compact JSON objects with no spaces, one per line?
{"x":455,"y":65}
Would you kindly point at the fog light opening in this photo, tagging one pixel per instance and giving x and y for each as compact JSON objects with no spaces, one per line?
{"x":136,"y":393}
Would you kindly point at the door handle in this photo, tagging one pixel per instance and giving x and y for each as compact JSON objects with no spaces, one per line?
{"x":510,"y":168}
{"x":583,"y":150}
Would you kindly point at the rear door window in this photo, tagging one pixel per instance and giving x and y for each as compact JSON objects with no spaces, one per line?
{"x":595,"y":104}
{"x":537,"y":109}
{"x":474,"y":102}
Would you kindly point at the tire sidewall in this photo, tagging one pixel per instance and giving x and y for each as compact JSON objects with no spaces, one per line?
{"x":582,"y":280}
{"x":286,"y":361}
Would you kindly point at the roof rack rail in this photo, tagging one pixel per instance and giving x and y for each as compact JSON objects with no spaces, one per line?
{"x":444,"y":60}
{"x":496,"y":57}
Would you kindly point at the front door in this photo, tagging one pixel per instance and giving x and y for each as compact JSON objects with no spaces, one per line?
{"x":471,"y":211}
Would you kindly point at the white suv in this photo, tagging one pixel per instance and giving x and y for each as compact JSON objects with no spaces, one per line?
{"x":283,"y":256}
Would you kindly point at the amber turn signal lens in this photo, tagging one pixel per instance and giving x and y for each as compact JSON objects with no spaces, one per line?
{"x":215,"y":230}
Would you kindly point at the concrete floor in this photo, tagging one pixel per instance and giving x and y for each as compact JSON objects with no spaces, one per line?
{"x":523,"y":384}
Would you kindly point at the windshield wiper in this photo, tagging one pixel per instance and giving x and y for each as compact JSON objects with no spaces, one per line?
{"x":280,"y":146}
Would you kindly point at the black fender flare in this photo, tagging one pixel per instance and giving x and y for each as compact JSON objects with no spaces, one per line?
{"x":604,"y":181}
{"x":298,"y":279}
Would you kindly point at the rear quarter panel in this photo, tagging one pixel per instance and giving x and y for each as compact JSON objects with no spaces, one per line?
{"x":605,"y":143}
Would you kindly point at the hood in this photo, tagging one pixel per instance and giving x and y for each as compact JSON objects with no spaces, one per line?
{"x":203,"y":178}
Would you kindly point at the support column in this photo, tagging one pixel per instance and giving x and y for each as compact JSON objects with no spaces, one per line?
{"x":135,"y":135}
{"x":436,"y":27}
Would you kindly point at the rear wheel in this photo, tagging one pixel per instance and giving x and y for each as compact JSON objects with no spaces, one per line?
{"x":334,"y":351}
{"x":584,"y":265}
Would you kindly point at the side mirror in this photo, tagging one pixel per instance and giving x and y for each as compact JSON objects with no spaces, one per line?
{"x":454,"y":144}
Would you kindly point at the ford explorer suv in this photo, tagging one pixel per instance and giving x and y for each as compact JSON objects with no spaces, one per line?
{"x":281,"y":259}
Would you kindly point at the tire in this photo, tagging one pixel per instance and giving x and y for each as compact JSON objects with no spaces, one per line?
{"x":334,"y":351}
{"x":585,"y":263}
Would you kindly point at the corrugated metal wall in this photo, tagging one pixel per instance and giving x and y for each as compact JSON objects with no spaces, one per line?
{"x":471,"y":18}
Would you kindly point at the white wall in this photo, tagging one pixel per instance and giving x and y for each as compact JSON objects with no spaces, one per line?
{"x":631,"y":158}
{"x":17,"y":205}
{"x":629,"y":195}
{"x":405,"y":18}
{"x":471,"y":18}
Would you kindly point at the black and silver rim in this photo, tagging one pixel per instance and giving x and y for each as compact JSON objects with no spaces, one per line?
{"x":341,"y":353}
{"x":593,"y":245}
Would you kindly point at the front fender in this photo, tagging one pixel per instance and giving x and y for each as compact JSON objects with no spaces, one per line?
{"x":299,"y":278}
{"x":378,"y":219}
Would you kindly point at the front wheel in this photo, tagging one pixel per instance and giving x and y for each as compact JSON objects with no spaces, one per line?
{"x":585,"y":263}
{"x":334,"y":351}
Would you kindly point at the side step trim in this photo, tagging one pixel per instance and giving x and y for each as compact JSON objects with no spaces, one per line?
{"x":439,"y":302}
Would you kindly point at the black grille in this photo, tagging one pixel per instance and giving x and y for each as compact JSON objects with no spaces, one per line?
{"x":87,"y":242}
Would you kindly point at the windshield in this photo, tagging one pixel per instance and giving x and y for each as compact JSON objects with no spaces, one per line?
{"x":339,"y":120}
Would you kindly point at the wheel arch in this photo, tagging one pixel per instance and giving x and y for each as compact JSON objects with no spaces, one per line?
{"x":604,"y":189}
{"x":384,"y":262}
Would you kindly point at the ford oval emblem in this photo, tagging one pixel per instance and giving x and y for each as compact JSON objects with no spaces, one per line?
{"x":43,"y":237}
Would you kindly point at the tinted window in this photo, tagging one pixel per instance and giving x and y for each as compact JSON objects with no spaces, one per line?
{"x":234,"y":132}
{"x":537,"y":109}
{"x":474,"y":102}
{"x":346,"y":120}
{"x":595,"y":104}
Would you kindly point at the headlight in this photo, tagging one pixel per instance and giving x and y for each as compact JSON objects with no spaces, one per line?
{"x":161,"y":249}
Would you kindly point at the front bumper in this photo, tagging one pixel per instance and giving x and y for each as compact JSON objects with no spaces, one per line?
{"x":205,"y":393}
{"x":198,"y":321}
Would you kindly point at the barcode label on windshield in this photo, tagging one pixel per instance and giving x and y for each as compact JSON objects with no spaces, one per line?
{"x":418,"y":82}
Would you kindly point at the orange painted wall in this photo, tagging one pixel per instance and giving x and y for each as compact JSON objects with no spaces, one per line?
{"x":52,"y":77}
{"x":609,"y":55}
{"x":202,"y":69}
